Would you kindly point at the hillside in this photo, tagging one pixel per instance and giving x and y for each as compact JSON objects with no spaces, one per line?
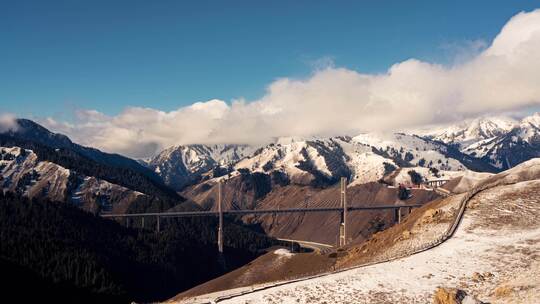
{"x":58,"y":149}
{"x":23,"y":173}
{"x":259,"y":191}
{"x":74,"y":255}
{"x":492,"y":256}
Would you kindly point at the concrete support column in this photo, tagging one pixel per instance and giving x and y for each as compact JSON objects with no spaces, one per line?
{"x":343,"y":224}
{"x":220,"y":228}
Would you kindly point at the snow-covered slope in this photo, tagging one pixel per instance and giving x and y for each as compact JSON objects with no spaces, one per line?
{"x":30,"y":132}
{"x":511,"y":148}
{"x":492,"y":257}
{"x":22,"y":172}
{"x":497,"y":141}
{"x":411,"y":150}
{"x":320,"y":162}
{"x":485,"y":144}
{"x":183,"y":165}
{"x":303,"y":161}
{"x":473,"y":131}
{"x":364,"y":158}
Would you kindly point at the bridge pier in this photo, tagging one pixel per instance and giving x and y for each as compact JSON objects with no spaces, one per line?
{"x":398,"y":215}
{"x":220,"y":228}
{"x":142,"y":222}
{"x":158,"y":226}
{"x":343,"y":224}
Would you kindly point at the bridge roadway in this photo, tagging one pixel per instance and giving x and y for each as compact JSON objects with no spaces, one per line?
{"x":255,"y":211}
{"x":317,"y":247}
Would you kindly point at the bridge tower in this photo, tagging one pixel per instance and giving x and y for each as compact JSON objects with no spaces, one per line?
{"x":220,"y":228}
{"x":343,"y":224}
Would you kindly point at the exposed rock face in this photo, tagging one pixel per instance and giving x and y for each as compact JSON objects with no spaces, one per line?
{"x":316,"y":162}
{"x":448,"y":296}
{"x":30,"y":131}
{"x":453,"y":296}
{"x":21,"y":172}
{"x":502,"y":143}
{"x":182,"y":166}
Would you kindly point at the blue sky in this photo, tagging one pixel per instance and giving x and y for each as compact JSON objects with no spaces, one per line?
{"x":58,"y":56}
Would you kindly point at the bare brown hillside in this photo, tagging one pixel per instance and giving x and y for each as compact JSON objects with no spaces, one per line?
{"x":315,"y":227}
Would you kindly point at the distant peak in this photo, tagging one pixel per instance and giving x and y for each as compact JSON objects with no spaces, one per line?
{"x":533,"y":119}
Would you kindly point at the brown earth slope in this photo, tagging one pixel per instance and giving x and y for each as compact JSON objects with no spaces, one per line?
{"x":315,"y":227}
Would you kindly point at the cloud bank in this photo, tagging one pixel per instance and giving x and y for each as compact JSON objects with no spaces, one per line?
{"x":8,"y":122}
{"x":504,"y":76}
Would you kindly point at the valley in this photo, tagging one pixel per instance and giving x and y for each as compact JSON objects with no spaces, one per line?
{"x":291,"y":173}
{"x":270,"y":152}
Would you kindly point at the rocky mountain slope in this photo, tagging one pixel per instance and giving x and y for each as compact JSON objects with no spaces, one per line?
{"x":31,"y":131}
{"x":37,"y":163}
{"x":23,"y":173}
{"x":181,"y":166}
{"x":317,"y":162}
{"x":502,"y":143}
{"x":485,"y":144}
{"x":470,"y":132}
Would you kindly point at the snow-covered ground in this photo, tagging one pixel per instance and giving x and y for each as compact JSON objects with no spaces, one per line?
{"x":494,"y":256}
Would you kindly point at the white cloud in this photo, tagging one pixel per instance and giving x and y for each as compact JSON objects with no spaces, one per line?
{"x":504,"y":76}
{"x":8,"y":122}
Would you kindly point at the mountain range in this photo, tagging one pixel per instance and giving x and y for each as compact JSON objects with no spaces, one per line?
{"x":41,"y":162}
{"x":488,"y":144}
{"x":291,"y":172}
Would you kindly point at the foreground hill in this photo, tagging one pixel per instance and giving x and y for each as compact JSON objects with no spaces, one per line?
{"x":492,"y":255}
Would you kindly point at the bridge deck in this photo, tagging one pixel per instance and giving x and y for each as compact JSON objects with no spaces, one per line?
{"x":255,"y":211}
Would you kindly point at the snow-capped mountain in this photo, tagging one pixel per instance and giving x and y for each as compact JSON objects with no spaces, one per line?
{"x":364,"y":158}
{"x":322,"y":162}
{"x":470,"y":132}
{"x":529,"y":129}
{"x":303,"y":161}
{"x":30,"y":131}
{"x":487,"y":144}
{"x":23,"y":173}
{"x":502,"y":143}
{"x":512,"y":148}
{"x":184,"y":165}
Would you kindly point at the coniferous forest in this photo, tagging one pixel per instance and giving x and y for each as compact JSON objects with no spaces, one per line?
{"x":69,"y":255}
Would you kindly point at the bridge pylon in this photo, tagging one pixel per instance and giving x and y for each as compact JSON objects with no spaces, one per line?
{"x":220,"y":228}
{"x":343,"y":224}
